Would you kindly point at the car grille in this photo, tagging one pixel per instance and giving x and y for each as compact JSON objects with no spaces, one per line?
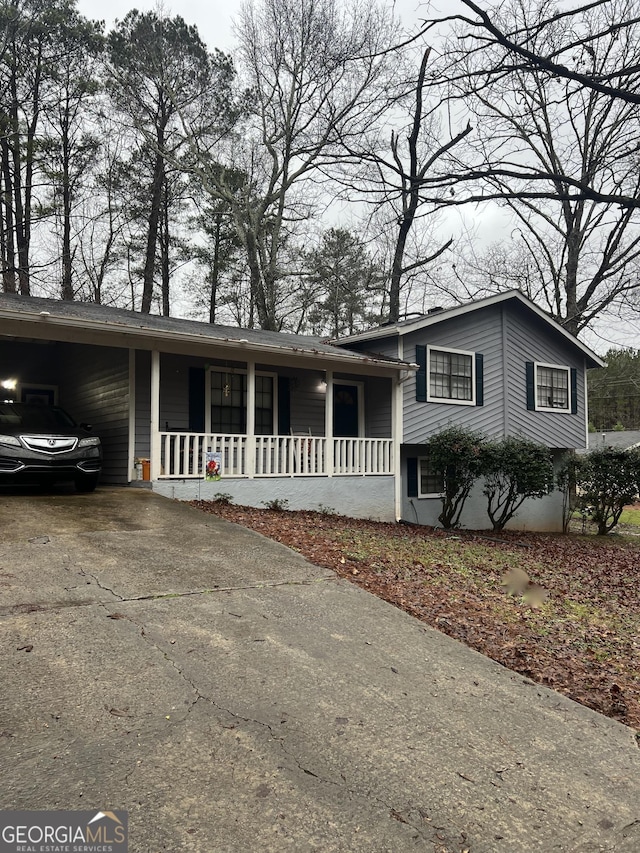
{"x":49,"y":444}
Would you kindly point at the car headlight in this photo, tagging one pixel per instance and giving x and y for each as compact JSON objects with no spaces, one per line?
{"x":10,"y":439}
{"x":87,"y":442}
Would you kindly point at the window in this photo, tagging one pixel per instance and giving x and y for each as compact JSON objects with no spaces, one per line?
{"x":551,"y":388}
{"x":430,"y":480}
{"x":229,"y":403}
{"x":451,"y":376}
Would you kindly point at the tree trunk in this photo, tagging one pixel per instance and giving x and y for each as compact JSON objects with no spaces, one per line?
{"x":152,"y":233}
{"x":6,"y":222}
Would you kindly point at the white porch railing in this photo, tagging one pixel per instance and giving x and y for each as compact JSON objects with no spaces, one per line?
{"x":182,"y":455}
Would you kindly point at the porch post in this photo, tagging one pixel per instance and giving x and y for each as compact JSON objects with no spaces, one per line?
{"x":250,"y":452}
{"x":155,"y":415}
{"x":328,"y":424}
{"x":397,"y":393}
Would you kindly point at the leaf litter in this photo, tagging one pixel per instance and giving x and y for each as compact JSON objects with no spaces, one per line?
{"x":561,"y":610}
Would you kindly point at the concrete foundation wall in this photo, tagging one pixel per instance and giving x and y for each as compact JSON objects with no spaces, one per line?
{"x":542,"y":515}
{"x":358,"y":497}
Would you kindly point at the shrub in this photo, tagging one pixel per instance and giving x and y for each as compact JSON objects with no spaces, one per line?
{"x":514,"y":469}
{"x":456,"y":454}
{"x":608,"y":479}
{"x":277,"y":504}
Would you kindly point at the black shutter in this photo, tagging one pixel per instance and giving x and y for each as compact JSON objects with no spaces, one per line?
{"x":412,"y":477}
{"x":196,"y":399}
{"x":479,"y":379}
{"x":284,"y":406}
{"x":421,"y":376}
{"x":574,"y":391}
{"x":531,"y":386}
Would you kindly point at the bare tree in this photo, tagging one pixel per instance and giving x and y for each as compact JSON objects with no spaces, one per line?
{"x":561,"y":157}
{"x":520,"y":43}
{"x":317,"y":73}
{"x":593,"y":47}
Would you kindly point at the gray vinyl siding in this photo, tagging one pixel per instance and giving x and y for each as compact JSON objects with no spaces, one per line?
{"x":94,"y":386}
{"x":174,"y":390}
{"x":32,"y":363}
{"x":142,"y":448}
{"x":507,"y":337}
{"x":477,"y":332}
{"x":307,"y":401}
{"x":377,"y":407}
{"x":527,"y":341}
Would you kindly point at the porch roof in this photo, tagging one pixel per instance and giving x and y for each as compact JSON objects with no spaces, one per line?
{"x":51,"y":319}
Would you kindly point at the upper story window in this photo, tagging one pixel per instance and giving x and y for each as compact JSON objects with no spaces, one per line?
{"x":552,"y":388}
{"x":451,"y":376}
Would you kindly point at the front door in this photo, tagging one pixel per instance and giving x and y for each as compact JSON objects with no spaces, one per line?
{"x":345,"y":411}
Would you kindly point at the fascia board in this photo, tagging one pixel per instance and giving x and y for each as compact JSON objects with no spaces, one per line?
{"x":36,"y":323}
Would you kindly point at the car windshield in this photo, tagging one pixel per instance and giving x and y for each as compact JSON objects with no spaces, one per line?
{"x":31,"y":418}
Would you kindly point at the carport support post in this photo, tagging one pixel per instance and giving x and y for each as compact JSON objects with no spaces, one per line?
{"x":155,"y":415}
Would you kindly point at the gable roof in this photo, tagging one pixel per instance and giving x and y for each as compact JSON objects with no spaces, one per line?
{"x":435,"y":316}
{"x":59,"y":320}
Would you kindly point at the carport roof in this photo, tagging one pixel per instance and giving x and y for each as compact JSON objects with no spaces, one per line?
{"x":58,"y":320}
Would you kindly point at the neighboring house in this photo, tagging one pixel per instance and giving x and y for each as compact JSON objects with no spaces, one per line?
{"x":620,"y":439}
{"x":284,"y":416}
{"x":498,"y":365}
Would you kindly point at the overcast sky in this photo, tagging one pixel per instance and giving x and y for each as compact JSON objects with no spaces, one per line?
{"x":213,"y":18}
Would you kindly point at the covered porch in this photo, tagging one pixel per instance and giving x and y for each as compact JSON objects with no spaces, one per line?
{"x":284,"y":429}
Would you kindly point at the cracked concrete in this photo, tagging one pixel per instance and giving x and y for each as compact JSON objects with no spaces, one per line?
{"x":233,"y":697}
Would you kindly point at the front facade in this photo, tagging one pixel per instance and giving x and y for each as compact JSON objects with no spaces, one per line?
{"x":282,"y":417}
{"x":262,"y":417}
{"x":499,"y":366}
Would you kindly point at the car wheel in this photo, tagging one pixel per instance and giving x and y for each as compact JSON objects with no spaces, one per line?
{"x":86,"y":483}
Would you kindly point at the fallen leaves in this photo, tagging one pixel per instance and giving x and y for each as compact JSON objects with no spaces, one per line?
{"x":562,"y":610}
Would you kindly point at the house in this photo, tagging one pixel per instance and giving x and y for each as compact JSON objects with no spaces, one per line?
{"x":341,"y":424}
{"x":620,"y":439}
{"x":278,"y":416}
{"x":498,"y":365}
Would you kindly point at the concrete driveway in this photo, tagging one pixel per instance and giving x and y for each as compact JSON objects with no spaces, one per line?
{"x":232,"y":697}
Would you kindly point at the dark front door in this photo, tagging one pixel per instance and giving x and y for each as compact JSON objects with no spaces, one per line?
{"x":345,"y":411}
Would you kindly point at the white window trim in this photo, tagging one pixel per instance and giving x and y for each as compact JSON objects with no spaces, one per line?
{"x":556,"y":409}
{"x":207,"y":393}
{"x":422,"y":494}
{"x":447,"y":400}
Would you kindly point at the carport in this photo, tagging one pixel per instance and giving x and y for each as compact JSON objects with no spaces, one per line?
{"x":280,"y":415}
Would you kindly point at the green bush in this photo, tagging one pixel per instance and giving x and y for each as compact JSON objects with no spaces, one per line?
{"x":456,"y":454}
{"x":514,"y":469}
{"x":608,"y":479}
